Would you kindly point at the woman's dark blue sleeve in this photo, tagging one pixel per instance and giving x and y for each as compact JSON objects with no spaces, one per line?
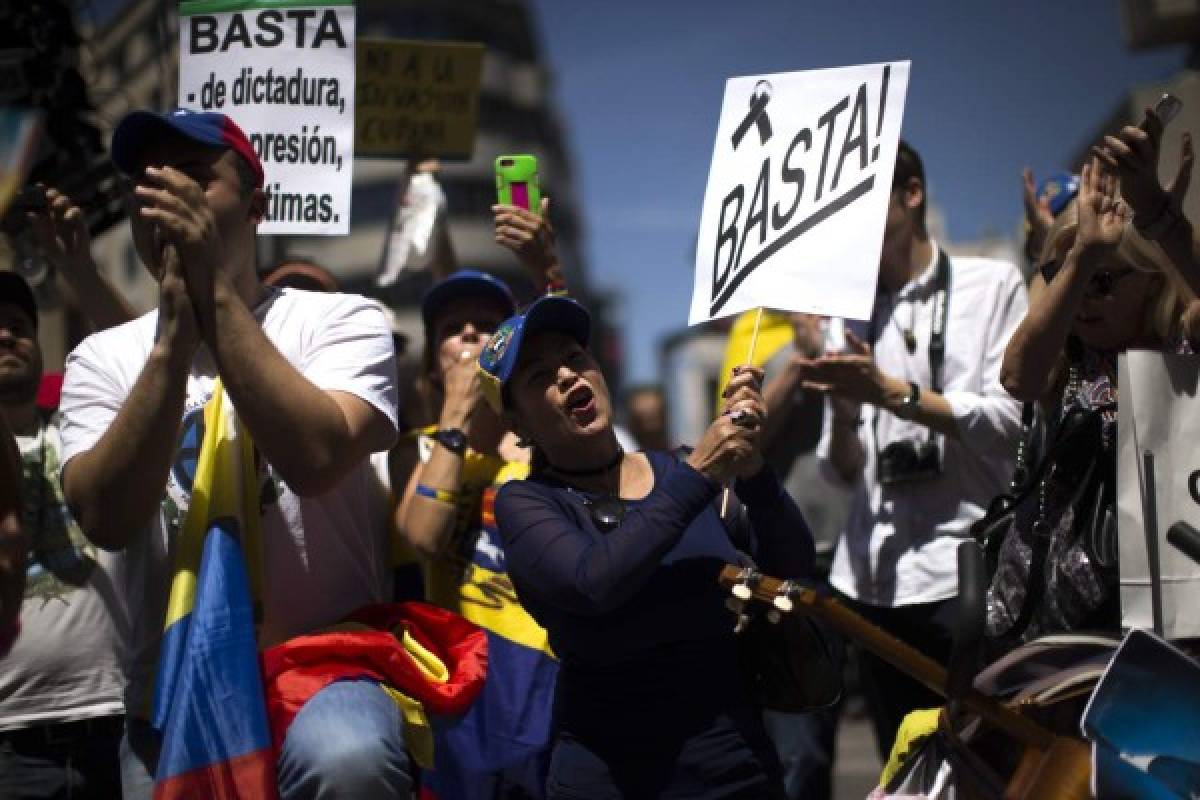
{"x":783,"y":543}
{"x":582,"y":572}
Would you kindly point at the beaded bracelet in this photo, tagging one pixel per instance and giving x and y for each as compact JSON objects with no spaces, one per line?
{"x":444,"y":495}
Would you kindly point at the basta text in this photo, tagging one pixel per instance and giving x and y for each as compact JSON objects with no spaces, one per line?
{"x":210,"y":33}
{"x":739,"y":222}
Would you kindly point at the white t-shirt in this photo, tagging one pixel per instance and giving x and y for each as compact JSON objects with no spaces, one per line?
{"x":324,"y":556}
{"x":901,"y":541}
{"x":66,"y":664}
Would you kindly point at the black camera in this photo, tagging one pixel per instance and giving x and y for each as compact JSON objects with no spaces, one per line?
{"x":907,"y":461}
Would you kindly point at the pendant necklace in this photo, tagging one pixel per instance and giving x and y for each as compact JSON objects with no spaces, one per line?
{"x":607,"y":510}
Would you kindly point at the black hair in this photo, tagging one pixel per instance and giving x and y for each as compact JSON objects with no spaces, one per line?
{"x":247,"y":180}
{"x":909,"y":166}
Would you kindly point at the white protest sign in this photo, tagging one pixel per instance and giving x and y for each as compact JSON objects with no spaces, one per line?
{"x":284,"y":72}
{"x":797,"y":193}
{"x":1159,"y":414}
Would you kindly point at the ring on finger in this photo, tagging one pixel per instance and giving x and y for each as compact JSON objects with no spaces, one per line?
{"x":742,"y":418}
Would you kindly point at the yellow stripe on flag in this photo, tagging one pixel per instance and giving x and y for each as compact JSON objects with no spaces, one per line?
{"x":223,"y":486}
{"x":489,"y":600}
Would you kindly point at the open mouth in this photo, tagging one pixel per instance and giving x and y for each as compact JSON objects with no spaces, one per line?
{"x":581,"y":404}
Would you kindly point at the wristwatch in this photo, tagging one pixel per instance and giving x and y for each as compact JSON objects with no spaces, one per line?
{"x":452,"y":439}
{"x":911,"y":402}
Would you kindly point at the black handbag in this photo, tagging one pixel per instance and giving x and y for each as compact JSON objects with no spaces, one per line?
{"x":1050,"y":542}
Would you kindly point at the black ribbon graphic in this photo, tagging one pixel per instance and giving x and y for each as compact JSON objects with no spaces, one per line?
{"x":757,"y":115}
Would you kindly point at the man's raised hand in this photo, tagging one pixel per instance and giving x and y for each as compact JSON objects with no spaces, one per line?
{"x":61,"y":233}
{"x":178,"y":205}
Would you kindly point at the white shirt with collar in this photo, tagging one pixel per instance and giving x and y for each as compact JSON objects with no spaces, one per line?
{"x":899,"y":546}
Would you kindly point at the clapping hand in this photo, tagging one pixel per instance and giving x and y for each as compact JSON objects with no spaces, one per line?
{"x":852,"y":378}
{"x":177,"y":204}
{"x":1038,"y":216}
{"x":61,"y":233}
{"x":1102,"y":214}
{"x":1132,"y":154}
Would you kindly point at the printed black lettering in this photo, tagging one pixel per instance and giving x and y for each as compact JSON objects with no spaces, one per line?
{"x":727,"y":234}
{"x":794,"y":175}
{"x":758,"y":212}
{"x":856,"y":139}
{"x":301,"y":16}
{"x":236,"y":33}
{"x":828,"y":120}
{"x":270,"y":34}
{"x":1194,"y":486}
{"x":204,"y":34}
{"x":329,"y":29}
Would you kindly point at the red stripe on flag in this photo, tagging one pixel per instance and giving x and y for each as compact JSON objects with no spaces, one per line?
{"x":235,"y":779}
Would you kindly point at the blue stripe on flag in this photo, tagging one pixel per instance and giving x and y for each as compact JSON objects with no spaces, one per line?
{"x":212,"y":705}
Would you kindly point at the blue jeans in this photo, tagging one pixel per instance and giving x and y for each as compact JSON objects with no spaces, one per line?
{"x":806,"y":745}
{"x":347,"y":741}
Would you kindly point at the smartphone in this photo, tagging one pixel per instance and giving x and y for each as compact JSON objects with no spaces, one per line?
{"x":1167,"y":108}
{"x":517,"y":182}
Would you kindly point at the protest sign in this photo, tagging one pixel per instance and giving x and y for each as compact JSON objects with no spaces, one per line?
{"x":1159,"y":415}
{"x":285,"y":73}
{"x":797,"y":192}
{"x":417,"y":99}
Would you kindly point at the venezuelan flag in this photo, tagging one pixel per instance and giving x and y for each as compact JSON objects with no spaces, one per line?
{"x":503,"y":739}
{"x":208,"y":697}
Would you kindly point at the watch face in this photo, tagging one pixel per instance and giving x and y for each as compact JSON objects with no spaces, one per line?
{"x":452,"y":439}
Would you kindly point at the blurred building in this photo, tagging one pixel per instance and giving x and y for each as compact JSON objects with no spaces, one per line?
{"x":131,"y":61}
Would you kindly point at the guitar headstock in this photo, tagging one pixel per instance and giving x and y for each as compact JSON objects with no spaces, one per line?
{"x":747,"y":585}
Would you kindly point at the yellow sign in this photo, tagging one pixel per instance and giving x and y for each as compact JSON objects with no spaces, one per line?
{"x":416,"y":98}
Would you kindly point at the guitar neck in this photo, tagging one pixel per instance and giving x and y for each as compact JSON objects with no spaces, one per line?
{"x":902,"y":656}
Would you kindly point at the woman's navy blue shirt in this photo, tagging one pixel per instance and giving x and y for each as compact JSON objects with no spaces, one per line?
{"x":639,"y":623}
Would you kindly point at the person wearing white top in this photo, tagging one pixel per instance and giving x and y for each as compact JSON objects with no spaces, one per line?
{"x":313,"y":379}
{"x":922,"y":432}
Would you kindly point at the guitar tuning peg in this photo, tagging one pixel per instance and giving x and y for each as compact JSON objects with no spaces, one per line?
{"x":774,"y":616}
{"x":742,"y":621}
{"x":742,"y":591}
{"x":783,"y":603}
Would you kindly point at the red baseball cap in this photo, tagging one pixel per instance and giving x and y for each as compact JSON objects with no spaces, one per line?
{"x":206,"y":127}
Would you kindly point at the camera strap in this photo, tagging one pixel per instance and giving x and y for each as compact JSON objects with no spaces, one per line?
{"x":937,"y":335}
{"x":937,"y":332}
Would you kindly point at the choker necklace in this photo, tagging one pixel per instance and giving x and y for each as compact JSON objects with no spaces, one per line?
{"x":588,"y":473}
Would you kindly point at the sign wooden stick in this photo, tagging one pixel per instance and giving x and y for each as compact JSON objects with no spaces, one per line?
{"x":749,"y":360}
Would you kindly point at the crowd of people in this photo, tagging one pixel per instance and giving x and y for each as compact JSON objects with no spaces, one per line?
{"x":857,"y":459}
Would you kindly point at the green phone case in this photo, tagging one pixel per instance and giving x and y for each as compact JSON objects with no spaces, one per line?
{"x":517,"y":182}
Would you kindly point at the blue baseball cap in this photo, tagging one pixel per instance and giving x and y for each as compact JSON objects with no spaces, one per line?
{"x":499,"y":358}
{"x":137,"y":128}
{"x":1059,"y":188}
{"x":466,"y":283}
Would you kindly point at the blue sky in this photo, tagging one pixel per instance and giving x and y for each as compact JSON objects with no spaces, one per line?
{"x":994,"y":86}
